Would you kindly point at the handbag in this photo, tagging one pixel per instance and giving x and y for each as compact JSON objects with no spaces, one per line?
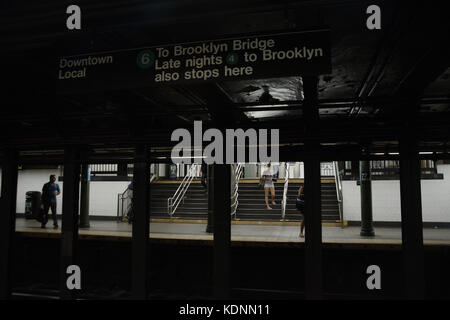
{"x":300,"y":204}
{"x":261,"y":183}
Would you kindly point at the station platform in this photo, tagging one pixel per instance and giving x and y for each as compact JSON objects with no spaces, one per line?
{"x":248,"y":235}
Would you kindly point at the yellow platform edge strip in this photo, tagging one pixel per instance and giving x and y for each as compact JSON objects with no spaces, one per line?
{"x":245,"y":222}
{"x":377,"y":244}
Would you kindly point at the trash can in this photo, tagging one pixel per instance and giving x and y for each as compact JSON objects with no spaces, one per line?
{"x":32,"y":204}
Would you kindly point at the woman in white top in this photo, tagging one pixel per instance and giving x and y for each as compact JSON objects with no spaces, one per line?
{"x":268,"y":185}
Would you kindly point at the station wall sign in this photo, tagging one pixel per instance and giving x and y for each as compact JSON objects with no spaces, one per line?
{"x":252,"y":57}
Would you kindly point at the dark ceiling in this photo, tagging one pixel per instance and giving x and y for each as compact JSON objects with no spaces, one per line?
{"x":377,"y":75}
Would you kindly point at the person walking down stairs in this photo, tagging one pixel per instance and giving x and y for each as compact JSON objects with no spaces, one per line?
{"x":268,"y":185}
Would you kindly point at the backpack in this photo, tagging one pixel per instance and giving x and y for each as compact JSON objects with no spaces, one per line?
{"x":46,"y":196}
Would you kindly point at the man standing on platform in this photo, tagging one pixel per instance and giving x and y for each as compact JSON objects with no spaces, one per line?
{"x":204,"y":169}
{"x":49,"y":192}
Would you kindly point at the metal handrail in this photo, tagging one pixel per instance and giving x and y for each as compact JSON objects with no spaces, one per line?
{"x":286,"y":185}
{"x":174,"y":201}
{"x":238,"y":174}
{"x":338,"y":183}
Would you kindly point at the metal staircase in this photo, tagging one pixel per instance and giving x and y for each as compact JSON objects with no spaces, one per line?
{"x":187,"y":199}
{"x":252,"y":205}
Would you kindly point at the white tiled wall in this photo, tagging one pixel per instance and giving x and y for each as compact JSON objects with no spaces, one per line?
{"x":33,"y":180}
{"x":386,"y":199}
{"x":385,"y":196}
{"x":103,"y":195}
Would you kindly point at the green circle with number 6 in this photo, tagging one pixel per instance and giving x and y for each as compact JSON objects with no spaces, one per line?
{"x":145,"y":59}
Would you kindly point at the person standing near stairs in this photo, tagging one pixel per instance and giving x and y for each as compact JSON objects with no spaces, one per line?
{"x":268,"y":185}
{"x":204,"y":179}
{"x":300,"y":204}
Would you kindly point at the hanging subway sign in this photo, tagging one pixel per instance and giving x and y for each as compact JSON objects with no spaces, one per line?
{"x":266,"y":56}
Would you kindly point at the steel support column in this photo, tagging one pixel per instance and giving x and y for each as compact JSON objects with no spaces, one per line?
{"x":122,"y":170}
{"x":313,"y":225}
{"x":141,"y":223}
{"x":8,"y":221}
{"x":366,"y":200}
{"x":355,"y":170}
{"x":210,"y":188}
{"x":85,"y":195}
{"x":222,"y":230}
{"x":411,"y":212}
{"x":313,"y":221}
{"x":69,"y":228}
